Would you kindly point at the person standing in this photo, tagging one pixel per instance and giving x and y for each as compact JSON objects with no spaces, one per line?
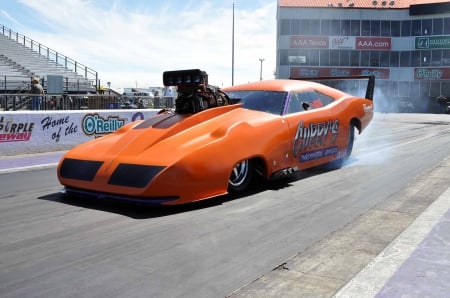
{"x":37,"y":92}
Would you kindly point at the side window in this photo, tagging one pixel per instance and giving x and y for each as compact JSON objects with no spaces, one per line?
{"x":295,"y":104}
{"x":323,"y":98}
{"x":313,"y":100}
{"x":307,"y":100}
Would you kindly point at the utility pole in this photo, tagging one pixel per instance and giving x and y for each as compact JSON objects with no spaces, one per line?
{"x":260,"y":70}
{"x":232,"y":51}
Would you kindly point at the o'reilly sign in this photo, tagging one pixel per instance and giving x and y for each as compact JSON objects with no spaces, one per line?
{"x":433,"y":42}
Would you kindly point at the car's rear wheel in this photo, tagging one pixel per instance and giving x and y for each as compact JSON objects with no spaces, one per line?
{"x":240,"y":176}
{"x":351,"y":139}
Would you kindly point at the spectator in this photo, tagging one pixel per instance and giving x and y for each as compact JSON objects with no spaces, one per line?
{"x":37,"y":92}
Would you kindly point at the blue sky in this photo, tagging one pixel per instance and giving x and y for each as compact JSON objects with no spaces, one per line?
{"x":131,"y":42}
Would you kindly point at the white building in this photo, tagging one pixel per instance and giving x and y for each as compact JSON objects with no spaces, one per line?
{"x":404,"y":43}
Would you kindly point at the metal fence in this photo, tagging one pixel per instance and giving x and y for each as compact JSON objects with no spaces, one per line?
{"x":18,"y":84}
{"x":22,"y":101}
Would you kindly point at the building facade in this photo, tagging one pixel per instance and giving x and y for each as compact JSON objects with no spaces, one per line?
{"x":405,"y":44}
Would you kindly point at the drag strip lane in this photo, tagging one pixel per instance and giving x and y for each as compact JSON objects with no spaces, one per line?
{"x":53,"y":246}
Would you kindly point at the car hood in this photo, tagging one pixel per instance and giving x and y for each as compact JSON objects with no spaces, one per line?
{"x":163,"y":139}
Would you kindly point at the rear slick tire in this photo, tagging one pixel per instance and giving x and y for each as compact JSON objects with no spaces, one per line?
{"x":338,"y":163}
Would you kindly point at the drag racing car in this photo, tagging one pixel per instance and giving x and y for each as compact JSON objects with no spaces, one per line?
{"x":217,"y":140}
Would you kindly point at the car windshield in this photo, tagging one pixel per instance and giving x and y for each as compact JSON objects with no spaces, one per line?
{"x":265,"y":101}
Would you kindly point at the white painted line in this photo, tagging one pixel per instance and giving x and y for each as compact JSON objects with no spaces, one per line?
{"x":369,"y":281}
{"x":28,"y":168}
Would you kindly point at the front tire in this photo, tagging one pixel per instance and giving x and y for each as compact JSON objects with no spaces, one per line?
{"x":240,"y":176}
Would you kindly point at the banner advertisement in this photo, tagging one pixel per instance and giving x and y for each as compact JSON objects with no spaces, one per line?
{"x":342,"y":42}
{"x":373,"y":43}
{"x":309,"y":42}
{"x":311,"y":72}
{"x":432,"y":73}
{"x":433,"y":42}
{"x":45,"y":131}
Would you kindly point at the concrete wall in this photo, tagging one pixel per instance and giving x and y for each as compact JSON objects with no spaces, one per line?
{"x":44,"y":131}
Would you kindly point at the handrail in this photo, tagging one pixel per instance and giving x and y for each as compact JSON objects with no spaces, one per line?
{"x":58,"y":58}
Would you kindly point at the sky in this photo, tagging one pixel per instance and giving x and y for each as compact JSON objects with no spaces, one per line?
{"x":130,"y":43}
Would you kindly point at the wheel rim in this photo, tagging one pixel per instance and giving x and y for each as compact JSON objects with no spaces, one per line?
{"x":239,"y":173}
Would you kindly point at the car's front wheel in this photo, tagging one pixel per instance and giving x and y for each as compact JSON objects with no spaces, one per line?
{"x":240,"y":176}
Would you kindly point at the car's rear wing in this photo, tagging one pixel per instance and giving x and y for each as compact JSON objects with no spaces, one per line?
{"x":370,"y":84}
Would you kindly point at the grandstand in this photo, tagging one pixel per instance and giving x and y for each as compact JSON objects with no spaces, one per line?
{"x":22,"y":58}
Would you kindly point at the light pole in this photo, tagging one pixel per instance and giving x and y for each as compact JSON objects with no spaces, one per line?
{"x":260,"y":70}
{"x":232,"y":51}
{"x":109,"y":87}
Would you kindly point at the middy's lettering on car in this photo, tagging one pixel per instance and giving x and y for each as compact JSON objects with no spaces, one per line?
{"x":315,"y":135}
{"x":15,"y":131}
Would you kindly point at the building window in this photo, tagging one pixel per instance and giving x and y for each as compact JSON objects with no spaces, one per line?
{"x":325,"y":28}
{"x":415,"y":87}
{"x":334,"y":58}
{"x":435,"y":89}
{"x":315,"y":27}
{"x":425,"y":58}
{"x":438,"y":26}
{"x":324,"y":57}
{"x":394,"y":58}
{"x":295,"y":27}
{"x":365,"y":28}
{"x":406,"y":28}
{"x":345,"y":27}
{"x":425,"y":88}
{"x":405,"y":58}
{"x":344,"y":58}
{"x":375,"y":28}
{"x":395,"y":28}
{"x":415,"y":58}
{"x":393,"y":88}
{"x":416,"y":28}
{"x":354,"y":58}
{"x":296,"y":57}
{"x":314,"y":57}
{"x":384,"y":59}
{"x":383,"y":86}
{"x":445,"y":57}
{"x":445,"y":88}
{"x":436,"y":57}
{"x":375,"y":58}
{"x":335,"y":27}
{"x":403,"y":88}
{"x":355,"y":28}
{"x":304,"y":27}
{"x":427,"y":27}
{"x":284,"y":57}
{"x":285,"y":27}
{"x":447,"y":26}
{"x":365,"y":58}
{"x":303,"y":57}
{"x":385,"y":28}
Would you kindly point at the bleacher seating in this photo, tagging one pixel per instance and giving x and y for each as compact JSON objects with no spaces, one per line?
{"x":20,"y":61}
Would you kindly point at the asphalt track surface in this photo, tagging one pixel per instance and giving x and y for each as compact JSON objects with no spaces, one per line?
{"x":308,"y":236}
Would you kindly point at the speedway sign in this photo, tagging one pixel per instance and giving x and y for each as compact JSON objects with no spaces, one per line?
{"x":433,"y":42}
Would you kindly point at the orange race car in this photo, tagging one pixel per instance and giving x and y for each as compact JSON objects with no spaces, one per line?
{"x":217,"y":140}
